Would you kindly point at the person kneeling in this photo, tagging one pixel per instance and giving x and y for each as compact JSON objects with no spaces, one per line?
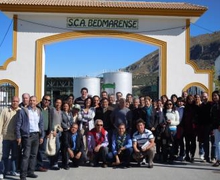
{"x":74,"y":146}
{"x":143,"y":144}
{"x":97,"y":144}
{"x":121,"y":147}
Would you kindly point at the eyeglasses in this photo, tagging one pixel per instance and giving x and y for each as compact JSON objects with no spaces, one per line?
{"x":169,"y":104}
{"x":47,"y":100}
{"x":99,"y":124}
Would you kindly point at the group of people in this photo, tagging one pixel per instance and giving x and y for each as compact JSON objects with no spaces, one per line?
{"x":109,"y":129}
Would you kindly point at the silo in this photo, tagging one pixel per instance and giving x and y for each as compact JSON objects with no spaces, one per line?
{"x":91,"y":83}
{"x":117,"y":81}
{"x":217,"y":67}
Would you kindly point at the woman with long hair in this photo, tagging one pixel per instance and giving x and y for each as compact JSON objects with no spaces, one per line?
{"x":189,"y":128}
{"x":172,"y":119}
{"x":215,"y":117}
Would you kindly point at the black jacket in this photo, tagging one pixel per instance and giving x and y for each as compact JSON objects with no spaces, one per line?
{"x":68,"y":143}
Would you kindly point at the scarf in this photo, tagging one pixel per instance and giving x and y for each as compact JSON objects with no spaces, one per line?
{"x":120,"y":140}
{"x":98,"y":140}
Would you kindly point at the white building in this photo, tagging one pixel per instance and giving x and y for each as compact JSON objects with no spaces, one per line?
{"x":165,"y":25}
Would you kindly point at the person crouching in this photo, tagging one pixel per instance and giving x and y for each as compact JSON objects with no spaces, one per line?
{"x":97,"y":144}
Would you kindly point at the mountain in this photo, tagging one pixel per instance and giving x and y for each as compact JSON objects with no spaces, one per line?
{"x":204,"y":49}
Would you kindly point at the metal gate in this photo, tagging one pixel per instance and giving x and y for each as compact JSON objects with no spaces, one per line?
{"x":7,"y":91}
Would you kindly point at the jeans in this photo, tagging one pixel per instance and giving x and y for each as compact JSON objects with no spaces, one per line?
{"x":124,"y":157}
{"x":101,"y":155}
{"x":217,"y":143}
{"x":29,"y":147}
{"x":41,"y":152}
{"x":9,"y":146}
{"x":201,"y":149}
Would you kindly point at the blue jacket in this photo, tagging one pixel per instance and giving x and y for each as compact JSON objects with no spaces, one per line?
{"x":23,"y":125}
{"x":127,"y":143}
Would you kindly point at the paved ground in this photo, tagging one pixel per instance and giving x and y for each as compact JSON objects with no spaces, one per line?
{"x":177,"y":171}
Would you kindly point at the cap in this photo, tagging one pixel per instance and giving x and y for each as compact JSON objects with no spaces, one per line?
{"x":76,"y":106}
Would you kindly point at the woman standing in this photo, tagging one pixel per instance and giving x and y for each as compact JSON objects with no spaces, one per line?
{"x":172,"y":119}
{"x":215,"y":117}
{"x":188,"y":124}
{"x":67,"y":121}
{"x":87,"y":121}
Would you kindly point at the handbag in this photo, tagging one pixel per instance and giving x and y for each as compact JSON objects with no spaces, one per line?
{"x":51,"y":145}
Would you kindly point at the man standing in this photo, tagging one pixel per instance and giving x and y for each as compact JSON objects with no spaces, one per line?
{"x":80,"y":100}
{"x":29,"y":132}
{"x":143,"y":144}
{"x":24,"y":103}
{"x":44,"y":106}
{"x":204,"y":129}
{"x":7,"y":127}
{"x":56,"y":116}
{"x":122,"y":115}
{"x":25,"y":100}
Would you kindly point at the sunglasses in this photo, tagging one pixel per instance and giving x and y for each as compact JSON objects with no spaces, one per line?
{"x":169,"y":104}
{"x":99,"y":124}
{"x":47,"y":100}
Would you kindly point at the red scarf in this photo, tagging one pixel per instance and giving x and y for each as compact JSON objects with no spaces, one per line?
{"x":100,"y":140}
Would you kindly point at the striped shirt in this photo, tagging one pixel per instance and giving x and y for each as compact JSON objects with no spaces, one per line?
{"x":34,"y":119}
{"x":143,"y":138}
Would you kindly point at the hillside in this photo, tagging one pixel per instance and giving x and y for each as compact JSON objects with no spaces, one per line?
{"x":204,"y":49}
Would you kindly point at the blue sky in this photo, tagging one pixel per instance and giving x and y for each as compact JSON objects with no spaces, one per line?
{"x":98,"y":55}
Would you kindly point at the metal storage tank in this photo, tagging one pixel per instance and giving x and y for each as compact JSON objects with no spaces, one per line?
{"x":120,"y":81}
{"x":217,"y":67}
{"x":91,"y":83}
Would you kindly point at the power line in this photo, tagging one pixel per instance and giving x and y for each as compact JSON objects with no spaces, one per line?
{"x":155,"y":30}
{"x":6,"y":34}
{"x":203,"y":28}
{"x":66,"y":29}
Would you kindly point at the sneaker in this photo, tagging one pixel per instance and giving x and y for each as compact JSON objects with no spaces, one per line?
{"x":202,"y":157}
{"x":213,"y":160}
{"x":55,"y":167}
{"x":1,"y":176}
{"x":143,"y":162}
{"x":216,"y":164}
{"x":15,"y":174}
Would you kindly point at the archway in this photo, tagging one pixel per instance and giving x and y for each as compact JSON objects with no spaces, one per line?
{"x":8,"y":89}
{"x":195,"y":88}
{"x":40,"y":58}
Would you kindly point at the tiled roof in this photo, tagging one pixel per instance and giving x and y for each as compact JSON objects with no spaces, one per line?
{"x":106,"y":4}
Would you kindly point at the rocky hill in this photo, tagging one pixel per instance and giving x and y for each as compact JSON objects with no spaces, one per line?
{"x":204,"y":49}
